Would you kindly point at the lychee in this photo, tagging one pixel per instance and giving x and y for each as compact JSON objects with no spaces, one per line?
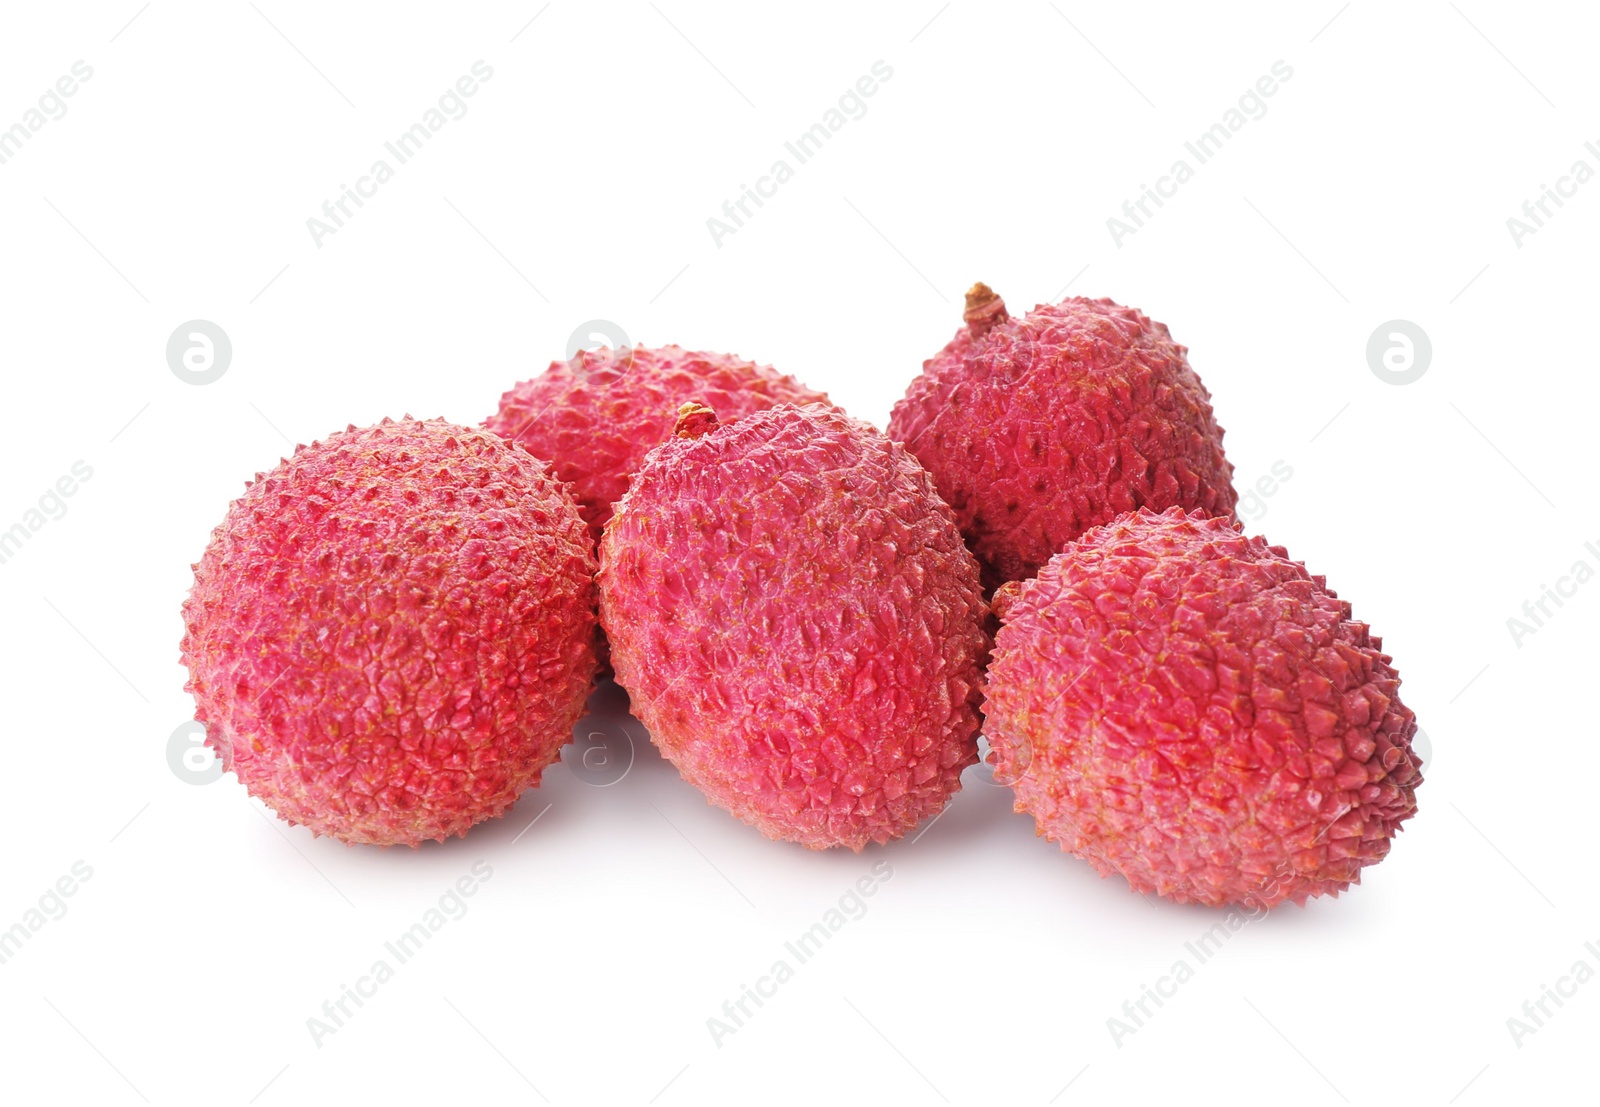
{"x":1186,"y":706}
{"x":597,"y":416}
{"x":391,"y":634}
{"x":1036,"y":429}
{"x":794,"y":615}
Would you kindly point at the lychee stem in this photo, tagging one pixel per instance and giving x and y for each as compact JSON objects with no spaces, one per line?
{"x":985,"y":309}
{"x":694,"y":420}
{"x":1004,"y":596}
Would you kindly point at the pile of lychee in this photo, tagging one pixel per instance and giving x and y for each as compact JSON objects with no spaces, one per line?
{"x":393,"y":633}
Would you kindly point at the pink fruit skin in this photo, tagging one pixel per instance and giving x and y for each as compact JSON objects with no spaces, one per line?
{"x":1185,"y":706}
{"x":797,"y":621}
{"x":597,"y":416}
{"x":390,"y":636}
{"x":1037,"y":428}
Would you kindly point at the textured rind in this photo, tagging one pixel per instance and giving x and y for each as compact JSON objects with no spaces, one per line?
{"x":1058,"y":421}
{"x":390,"y":635}
{"x":1186,"y":706}
{"x":597,"y":416}
{"x":798,"y":623}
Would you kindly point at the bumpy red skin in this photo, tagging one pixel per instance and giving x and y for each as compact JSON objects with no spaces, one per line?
{"x":1061,"y":420}
{"x":391,"y":634}
{"x":597,"y":416}
{"x":1186,"y":706}
{"x":797,"y":622}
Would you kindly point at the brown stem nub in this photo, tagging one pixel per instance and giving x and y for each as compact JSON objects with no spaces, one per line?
{"x":695,"y":419}
{"x":985,"y":309}
{"x":1004,"y":596}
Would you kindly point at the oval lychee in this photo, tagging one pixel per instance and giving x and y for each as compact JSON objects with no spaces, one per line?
{"x":1037,"y":428}
{"x":798,"y":623}
{"x":1188,"y":707}
{"x":597,"y":416}
{"x":390,"y":635}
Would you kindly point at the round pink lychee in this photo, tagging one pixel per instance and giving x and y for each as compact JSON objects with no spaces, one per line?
{"x":1188,"y":707}
{"x":798,"y":623}
{"x":594,"y":418}
{"x":391,"y":634}
{"x":1037,"y":428}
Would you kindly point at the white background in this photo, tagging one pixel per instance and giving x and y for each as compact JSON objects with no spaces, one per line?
{"x":177,"y":186}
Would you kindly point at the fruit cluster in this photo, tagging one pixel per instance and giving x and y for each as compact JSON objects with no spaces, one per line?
{"x":393,"y":633}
